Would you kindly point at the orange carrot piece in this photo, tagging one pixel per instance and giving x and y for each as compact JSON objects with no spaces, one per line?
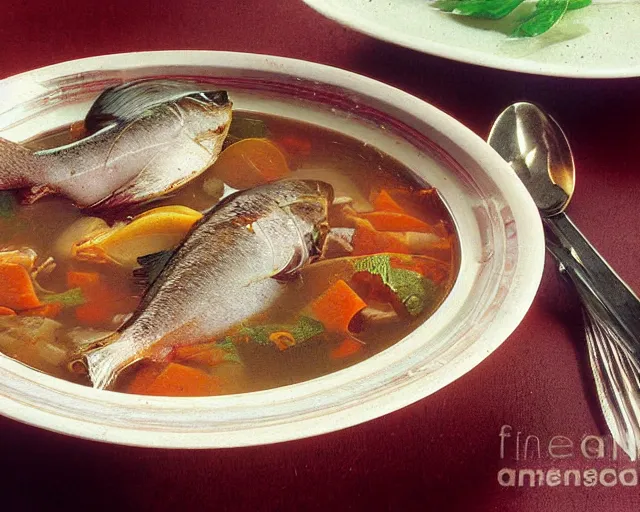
{"x":347,"y":348}
{"x":83,"y":280}
{"x":435,"y":270}
{"x":17,"y":291}
{"x":205,"y":353}
{"x":143,"y":379}
{"x":179,"y":380}
{"x":366,"y":240}
{"x":337,"y":306}
{"x":49,"y":310}
{"x":391,"y":221}
{"x":102,"y":304}
{"x":6,"y":311}
{"x":382,"y":201}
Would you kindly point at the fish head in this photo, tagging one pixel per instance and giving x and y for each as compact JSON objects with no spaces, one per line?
{"x":207,"y":116}
{"x":309,"y":209}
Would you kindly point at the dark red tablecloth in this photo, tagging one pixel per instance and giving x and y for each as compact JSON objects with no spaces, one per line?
{"x":444,"y":452}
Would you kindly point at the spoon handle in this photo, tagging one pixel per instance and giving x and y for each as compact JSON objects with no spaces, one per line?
{"x":622,"y":303}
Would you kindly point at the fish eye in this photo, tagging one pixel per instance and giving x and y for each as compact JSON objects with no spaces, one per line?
{"x":219,"y":98}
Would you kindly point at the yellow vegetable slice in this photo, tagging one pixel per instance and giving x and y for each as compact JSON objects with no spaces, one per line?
{"x":156,"y":230}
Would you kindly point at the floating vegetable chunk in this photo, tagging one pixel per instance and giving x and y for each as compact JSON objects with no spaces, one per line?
{"x":101,"y":302}
{"x":413,"y":290}
{"x":336,"y":307}
{"x":34,"y":340}
{"x":283,"y":336}
{"x":382,"y":201}
{"x":153,"y":231}
{"x":150,"y":138}
{"x":179,"y":380}
{"x":17,"y":291}
{"x":249,"y":163}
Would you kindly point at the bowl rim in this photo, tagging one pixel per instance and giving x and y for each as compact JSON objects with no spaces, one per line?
{"x":529,"y":271}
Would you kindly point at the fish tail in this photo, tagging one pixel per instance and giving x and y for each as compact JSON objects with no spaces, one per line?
{"x":106,"y":362}
{"x":19,"y":167}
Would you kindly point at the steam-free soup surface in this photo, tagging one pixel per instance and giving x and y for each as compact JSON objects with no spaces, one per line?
{"x":390,"y":264}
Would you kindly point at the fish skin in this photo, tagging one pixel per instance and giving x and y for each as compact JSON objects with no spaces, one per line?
{"x":128,"y":101}
{"x":126,"y":163}
{"x":225,"y":271}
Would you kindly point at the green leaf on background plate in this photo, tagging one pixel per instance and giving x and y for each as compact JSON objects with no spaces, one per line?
{"x":490,"y":9}
{"x":545,"y":16}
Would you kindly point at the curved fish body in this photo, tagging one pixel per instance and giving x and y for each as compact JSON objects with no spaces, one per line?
{"x":228,"y":269}
{"x":141,"y":149}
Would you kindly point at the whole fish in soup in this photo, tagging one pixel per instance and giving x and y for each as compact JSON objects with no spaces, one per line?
{"x":140,"y":148}
{"x":226,"y":271}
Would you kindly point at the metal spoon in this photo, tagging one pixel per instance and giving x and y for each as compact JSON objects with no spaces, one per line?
{"x":536,"y":147}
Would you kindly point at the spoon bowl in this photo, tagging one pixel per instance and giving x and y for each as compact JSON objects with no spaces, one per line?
{"x":539,"y":152}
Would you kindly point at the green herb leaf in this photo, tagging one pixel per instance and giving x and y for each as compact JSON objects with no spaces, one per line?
{"x":546,"y":15}
{"x":8,"y":204}
{"x":490,"y":9}
{"x":69,"y":299}
{"x":578,"y":4}
{"x":414,"y":290}
{"x":304,"y":329}
{"x":230,"y":351}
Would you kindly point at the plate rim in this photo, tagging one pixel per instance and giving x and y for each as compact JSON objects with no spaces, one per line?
{"x":530,"y":264}
{"x":476,"y":58}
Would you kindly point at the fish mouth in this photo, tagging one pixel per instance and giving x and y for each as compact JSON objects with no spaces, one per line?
{"x":218,"y":98}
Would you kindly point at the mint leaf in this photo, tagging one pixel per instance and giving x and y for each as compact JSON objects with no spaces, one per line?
{"x":490,"y":9}
{"x":412,"y":289}
{"x":69,"y":299}
{"x":230,"y":351}
{"x":545,"y":16}
{"x":304,"y":329}
{"x":578,"y":4}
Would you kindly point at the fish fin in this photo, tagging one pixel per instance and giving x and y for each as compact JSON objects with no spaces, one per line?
{"x":152,"y":265}
{"x":31,"y":195}
{"x":19,"y":167}
{"x":129,"y":101}
{"x":106,"y":362}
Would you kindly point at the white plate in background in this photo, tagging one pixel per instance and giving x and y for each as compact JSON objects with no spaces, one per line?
{"x":599,"y":41}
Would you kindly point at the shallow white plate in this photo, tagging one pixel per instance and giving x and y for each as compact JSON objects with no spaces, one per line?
{"x":599,"y":41}
{"x":502,"y":253}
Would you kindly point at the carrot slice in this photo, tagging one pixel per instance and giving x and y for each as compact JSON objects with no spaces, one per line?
{"x":179,"y":380}
{"x":6,"y":311}
{"x":102,"y":304}
{"x":347,"y":348}
{"x":391,"y":221}
{"x":49,"y":310}
{"x":250,"y":162}
{"x":382,"y":201}
{"x":367,"y":240}
{"x":206,"y":353}
{"x":143,"y":379}
{"x":433,"y":269}
{"x":83,"y":280}
{"x":17,"y":291}
{"x":337,"y":306}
